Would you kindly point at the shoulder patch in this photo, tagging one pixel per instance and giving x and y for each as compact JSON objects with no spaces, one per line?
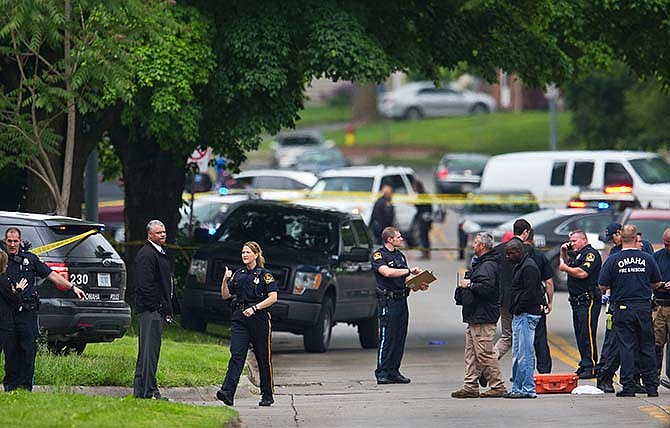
{"x":590,"y":257}
{"x":377,"y":255}
{"x":587,"y":264}
{"x":268,"y":277}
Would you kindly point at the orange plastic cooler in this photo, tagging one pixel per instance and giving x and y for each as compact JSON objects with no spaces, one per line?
{"x":555,"y":383}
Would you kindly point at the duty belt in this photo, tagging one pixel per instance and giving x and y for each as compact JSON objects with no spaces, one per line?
{"x":584,"y":297}
{"x":242,"y":305}
{"x":398,"y":294}
{"x":662,"y":302}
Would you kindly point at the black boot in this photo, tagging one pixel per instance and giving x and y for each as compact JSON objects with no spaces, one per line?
{"x":606,"y":385}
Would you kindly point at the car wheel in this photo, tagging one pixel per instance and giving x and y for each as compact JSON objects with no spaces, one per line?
{"x":479,"y":108}
{"x":368,"y":332}
{"x":190,"y":321}
{"x":413,"y":113}
{"x":317,"y":337}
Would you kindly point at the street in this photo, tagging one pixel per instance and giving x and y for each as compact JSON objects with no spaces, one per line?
{"x":338,"y":388}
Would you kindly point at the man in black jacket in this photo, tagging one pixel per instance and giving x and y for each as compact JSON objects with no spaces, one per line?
{"x":479,"y":297}
{"x":154,"y":288}
{"x":526,"y":307}
{"x":383,"y":213}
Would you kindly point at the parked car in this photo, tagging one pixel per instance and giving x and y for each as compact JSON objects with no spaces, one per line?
{"x":319,"y":258}
{"x":319,"y":160}
{"x":209,"y":210}
{"x":459,"y":172}
{"x":651,"y":223}
{"x":287,"y":147}
{"x":552,"y":228}
{"x":355,"y":190}
{"x":557,"y":176}
{"x":422,"y":99}
{"x":484,"y":211}
{"x":273,"y":179}
{"x":91,"y":264}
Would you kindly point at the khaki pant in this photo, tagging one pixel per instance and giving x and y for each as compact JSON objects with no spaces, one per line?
{"x":480,"y":358}
{"x":504,"y":343}
{"x":661,"y":332}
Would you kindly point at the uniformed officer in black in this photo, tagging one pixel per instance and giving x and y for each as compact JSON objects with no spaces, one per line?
{"x":631,"y":274}
{"x":255,"y":290}
{"x":383,"y":213}
{"x":391,"y":271}
{"x":583,"y":268}
{"x":20,"y":360}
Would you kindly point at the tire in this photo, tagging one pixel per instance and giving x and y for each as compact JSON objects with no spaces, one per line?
{"x":479,"y":108}
{"x":368,"y":332}
{"x":192,"y":322}
{"x":413,"y":113}
{"x":317,"y":337}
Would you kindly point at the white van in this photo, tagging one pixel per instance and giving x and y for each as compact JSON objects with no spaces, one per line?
{"x":555,"y":177}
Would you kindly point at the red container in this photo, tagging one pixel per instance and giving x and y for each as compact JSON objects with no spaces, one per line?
{"x":555,"y":383}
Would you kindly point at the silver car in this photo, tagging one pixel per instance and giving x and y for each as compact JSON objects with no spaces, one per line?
{"x":287,"y":147}
{"x":422,"y":99}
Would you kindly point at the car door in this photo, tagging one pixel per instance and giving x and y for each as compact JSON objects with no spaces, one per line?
{"x":430,"y":101}
{"x":452,"y":102}
{"x":349,"y":273}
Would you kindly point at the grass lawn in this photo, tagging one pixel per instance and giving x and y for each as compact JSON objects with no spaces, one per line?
{"x":56,"y":409}
{"x":187,"y":359}
{"x":318,"y":115}
{"x":488,"y":133}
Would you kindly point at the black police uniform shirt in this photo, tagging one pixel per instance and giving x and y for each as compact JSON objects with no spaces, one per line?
{"x":629,"y":275}
{"x":252,"y":286}
{"x":393,"y":259}
{"x":662,"y":259}
{"x":27,"y":265}
{"x":589,"y":260}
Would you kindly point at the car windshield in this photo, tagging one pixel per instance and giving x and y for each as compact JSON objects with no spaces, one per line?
{"x":321,"y":157}
{"x":302,"y":140}
{"x":476,"y":165}
{"x":652,"y":170}
{"x":343,"y":184}
{"x":277,"y":227}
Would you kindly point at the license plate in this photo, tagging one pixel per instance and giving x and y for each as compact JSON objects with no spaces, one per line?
{"x":104,"y":280}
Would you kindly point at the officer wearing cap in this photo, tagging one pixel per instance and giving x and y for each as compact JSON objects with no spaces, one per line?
{"x":583,"y":268}
{"x":22,"y":265}
{"x":391,"y":271}
{"x":631,"y":274}
{"x":255,"y":290}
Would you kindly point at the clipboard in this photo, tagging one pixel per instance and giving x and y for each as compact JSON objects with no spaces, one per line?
{"x":414,"y":283}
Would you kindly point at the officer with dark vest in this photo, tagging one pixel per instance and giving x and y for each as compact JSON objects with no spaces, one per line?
{"x":583,"y":269}
{"x":255,"y":290}
{"x":391,"y":271}
{"x":631,"y":274}
{"x":20,"y":360}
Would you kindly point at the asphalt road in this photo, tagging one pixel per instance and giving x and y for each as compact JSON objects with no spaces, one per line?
{"x":338,"y":388}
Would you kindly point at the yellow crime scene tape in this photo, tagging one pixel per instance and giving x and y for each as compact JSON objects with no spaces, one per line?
{"x":64,"y":242}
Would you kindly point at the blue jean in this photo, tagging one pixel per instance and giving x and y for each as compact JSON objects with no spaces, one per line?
{"x":523,"y":352}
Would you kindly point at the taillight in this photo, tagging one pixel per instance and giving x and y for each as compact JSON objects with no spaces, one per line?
{"x":619,"y":189}
{"x":61,"y":269}
{"x":442,"y":172}
{"x":576,"y":204}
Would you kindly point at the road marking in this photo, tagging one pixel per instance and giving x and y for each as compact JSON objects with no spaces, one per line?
{"x":570,"y":352}
{"x":661,"y":413}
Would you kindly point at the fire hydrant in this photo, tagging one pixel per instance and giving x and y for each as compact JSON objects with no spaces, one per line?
{"x":349,"y":137}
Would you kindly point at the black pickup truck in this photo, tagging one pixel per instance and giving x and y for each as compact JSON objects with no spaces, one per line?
{"x":319,"y":258}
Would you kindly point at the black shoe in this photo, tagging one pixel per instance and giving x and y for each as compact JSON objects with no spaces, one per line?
{"x":224,"y":396}
{"x":266,"y":401}
{"x":401,"y":379}
{"x":665,"y":382}
{"x":640,"y":389}
{"x":605,"y":385}
{"x":624,"y":393}
{"x":384,"y":381}
{"x":587,"y":375}
{"x":159,"y":397}
{"x":482,"y":381}
{"x":653,"y":393}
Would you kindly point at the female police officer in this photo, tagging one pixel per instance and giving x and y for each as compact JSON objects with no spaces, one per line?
{"x":255,"y":290}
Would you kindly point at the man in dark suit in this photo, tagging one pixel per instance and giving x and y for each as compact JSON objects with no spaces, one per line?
{"x":154,"y":289}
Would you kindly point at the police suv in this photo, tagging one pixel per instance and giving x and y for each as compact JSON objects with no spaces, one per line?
{"x":319,"y":258}
{"x":76,"y":250}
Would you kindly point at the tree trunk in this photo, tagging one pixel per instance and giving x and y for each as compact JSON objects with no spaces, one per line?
{"x":364,"y":103}
{"x":68,"y":155}
{"x":154,"y":179}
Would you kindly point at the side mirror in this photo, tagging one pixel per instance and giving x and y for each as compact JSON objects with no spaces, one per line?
{"x":357,"y":254}
{"x":201,"y":236}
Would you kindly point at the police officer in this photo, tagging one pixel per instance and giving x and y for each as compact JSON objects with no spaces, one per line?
{"x":255,"y":290}
{"x":662,"y":311}
{"x":391,"y":271}
{"x":583,"y":268}
{"x":383,"y":213}
{"x":631,"y":274}
{"x":20,"y":360}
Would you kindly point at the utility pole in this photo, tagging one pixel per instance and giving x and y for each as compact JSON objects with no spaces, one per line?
{"x":551,"y":94}
{"x":91,"y":197}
